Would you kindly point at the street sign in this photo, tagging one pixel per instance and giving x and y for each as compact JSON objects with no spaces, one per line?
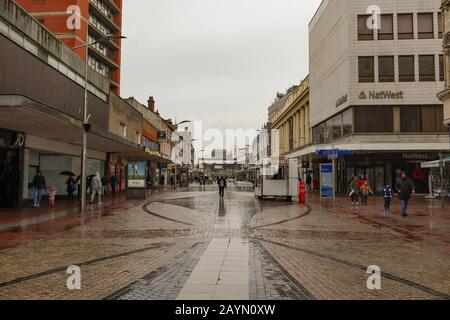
{"x":326,"y":181}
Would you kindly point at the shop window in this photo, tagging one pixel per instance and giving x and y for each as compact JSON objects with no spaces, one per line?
{"x":426,"y":119}
{"x":364,"y":33}
{"x":440,"y":26}
{"x":336,"y":123}
{"x":441,"y":68}
{"x":328,"y":131}
{"x":319,"y":134}
{"x":426,"y":68}
{"x":387,"y":27}
{"x":406,"y":69}
{"x":366,"y":69}
{"x":386,"y":69}
{"x":425,"y":25}
{"x":405,"y":26}
{"x":347,"y":122}
{"x":374,"y":119}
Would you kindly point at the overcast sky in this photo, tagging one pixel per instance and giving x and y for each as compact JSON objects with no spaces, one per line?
{"x":220,"y":61}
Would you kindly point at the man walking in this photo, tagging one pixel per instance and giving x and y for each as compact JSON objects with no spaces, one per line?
{"x":222,"y":182}
{"x":39,"y":185}
{"x":405,"y":187}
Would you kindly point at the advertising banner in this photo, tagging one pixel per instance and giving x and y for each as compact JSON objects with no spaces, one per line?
{"x":136,"y":174}
{"x":326,"y":181}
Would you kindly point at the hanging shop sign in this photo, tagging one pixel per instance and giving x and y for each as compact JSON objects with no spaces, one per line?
{"x":162,"y":136}
{"x":12,"y":139}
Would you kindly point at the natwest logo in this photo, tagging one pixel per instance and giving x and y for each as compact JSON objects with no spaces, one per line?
{"x":382,"y":95}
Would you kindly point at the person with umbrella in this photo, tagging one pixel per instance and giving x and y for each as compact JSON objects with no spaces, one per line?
{"x":70,"y":183}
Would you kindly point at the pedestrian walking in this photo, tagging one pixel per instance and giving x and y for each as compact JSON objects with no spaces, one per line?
{"x":105,"y":185}
{"x":96,"y":188}
{"x":113,"y":182}
{"x":308,"y":182}
{"x":51,"y":196}
{"x":388,"y":194}
{"x":354,"y":192}
{"x":366,"y":191}
{"x":71,"y":188}
{"x":149,"y":184}
{"x":405,"y":187}
{"x":222,"y":182}
{"x":39,"y":185}
{"x":78,"y":183}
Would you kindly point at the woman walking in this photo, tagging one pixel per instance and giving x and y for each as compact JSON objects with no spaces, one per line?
{"x":96,"y":188}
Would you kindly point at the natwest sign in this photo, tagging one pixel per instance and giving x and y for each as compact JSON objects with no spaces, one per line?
{"x":381,"y":95}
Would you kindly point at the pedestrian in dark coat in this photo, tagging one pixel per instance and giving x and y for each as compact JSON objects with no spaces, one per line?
{"x":39,"y":186}
{"x":405,"y":187}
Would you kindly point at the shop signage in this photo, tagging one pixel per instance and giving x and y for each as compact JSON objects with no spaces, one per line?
{"x":162,"y":136}
{"x":12,"y":139}
{"x":329,"y":152}
{"x":381,"y":95}
{"x":341,"y":100}
{"x":416,"y":156}
{"x":136,"y":174}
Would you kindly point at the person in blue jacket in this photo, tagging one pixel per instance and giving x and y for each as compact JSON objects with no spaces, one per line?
{"x":388,"y":194}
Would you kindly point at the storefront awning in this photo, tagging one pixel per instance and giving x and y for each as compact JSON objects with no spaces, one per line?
{"x":19,"y":113}
{"x":435,"y":164}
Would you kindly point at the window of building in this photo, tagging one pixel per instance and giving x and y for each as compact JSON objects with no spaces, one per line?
{"x":291,"y":133}
{"x":425,"y":119}
{"x":328,"y":131}
{"x":366,"y":69}
{"x":387,"y":27}
{"x":347,"y":122}
{"x":123,"y":129}
{"x":336,"y":123}
{"x":440,"y":26}
{"x":364,"y":32}
{"x":440,"y":117}
{"x":386,"y":69}
{"x":441,"y":68}
{"x":138,"y":137}
{"x":319,"y":134}
{"x":426,"y":68}
{"x":374,"y":119}
{"x":425,"y":25}
{"x":405,"y":26}
{"x":406,"y":68}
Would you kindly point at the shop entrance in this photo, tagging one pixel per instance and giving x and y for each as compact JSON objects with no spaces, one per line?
{"x":9,"y":178}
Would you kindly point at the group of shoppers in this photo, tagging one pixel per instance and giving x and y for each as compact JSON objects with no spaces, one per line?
{"x":95,"y":187}
{"x":404,"y":186}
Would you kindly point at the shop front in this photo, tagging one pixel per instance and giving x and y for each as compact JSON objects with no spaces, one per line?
{"x":11,"y":149}
{"x":384,"y":168}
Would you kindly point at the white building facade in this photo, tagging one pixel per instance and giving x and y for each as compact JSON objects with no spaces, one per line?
{"x":376,"y":68}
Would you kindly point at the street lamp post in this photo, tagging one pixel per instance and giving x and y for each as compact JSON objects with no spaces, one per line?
{"x":86,"y":125}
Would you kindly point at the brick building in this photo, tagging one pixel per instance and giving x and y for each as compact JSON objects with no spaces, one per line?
{"x":97,"y":18}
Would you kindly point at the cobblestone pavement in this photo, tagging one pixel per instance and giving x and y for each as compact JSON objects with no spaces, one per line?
{"x":191,"y":245}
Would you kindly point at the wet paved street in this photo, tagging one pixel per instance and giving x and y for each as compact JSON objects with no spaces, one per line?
{"x":192,"y":245}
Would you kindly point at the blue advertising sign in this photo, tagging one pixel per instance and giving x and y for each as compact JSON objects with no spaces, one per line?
{"x":326,"y":181}
{"x":333,"y":152}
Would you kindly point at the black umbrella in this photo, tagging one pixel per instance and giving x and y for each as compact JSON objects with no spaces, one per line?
{"x":68,"y":173}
